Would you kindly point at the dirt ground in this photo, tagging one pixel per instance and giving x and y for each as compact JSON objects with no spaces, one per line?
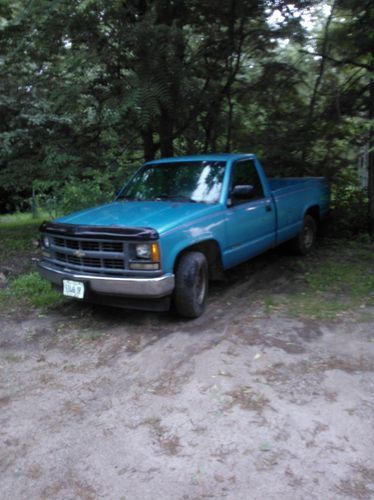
{"x":242,"y":403}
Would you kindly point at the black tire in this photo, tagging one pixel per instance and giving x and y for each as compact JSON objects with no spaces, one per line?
{"x":191,"y":285}
{"x":306,"y":239}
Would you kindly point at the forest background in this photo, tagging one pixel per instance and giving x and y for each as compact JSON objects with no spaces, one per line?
{"x":89,"y":89}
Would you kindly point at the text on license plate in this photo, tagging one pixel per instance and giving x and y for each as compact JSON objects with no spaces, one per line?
{"x":73,"y":289}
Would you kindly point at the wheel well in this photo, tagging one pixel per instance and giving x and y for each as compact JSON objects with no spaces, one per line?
{"x":212,"y":254}
{"x":314,"y":212}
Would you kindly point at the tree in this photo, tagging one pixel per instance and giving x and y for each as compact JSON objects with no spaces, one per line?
{"x":90,"y":87}
{"x":344,"y":89}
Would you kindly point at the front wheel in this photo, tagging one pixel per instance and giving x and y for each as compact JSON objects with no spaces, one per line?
{"x":306,"y":239}
{"x":191,"y":285}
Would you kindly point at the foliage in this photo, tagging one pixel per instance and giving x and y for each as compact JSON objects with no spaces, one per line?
{"x":80,"y":195}
{"x":57,"y":198}
{"x":91,"y":88}
{"x":349,"y":215}
{"x":17,"y":233}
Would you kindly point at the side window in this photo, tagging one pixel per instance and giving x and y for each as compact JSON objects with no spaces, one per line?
{"x":244,"y":174}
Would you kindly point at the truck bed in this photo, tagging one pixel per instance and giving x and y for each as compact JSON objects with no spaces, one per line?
{"x":287,"y":184}
{"x":292,"y":195}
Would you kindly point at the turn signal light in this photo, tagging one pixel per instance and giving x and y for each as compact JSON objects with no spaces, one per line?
{"x":155,"y":252}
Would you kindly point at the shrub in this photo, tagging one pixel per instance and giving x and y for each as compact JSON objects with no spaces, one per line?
{"x":79,"y":194}
{"x":349,"y":216}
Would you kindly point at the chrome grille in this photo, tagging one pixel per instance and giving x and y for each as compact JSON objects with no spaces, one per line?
{"x":112,"y":246}
{"x":91,"y":245}
{"x":113,"y":263}
{"x":100,"y":256}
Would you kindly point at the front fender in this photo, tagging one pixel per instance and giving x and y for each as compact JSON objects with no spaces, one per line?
{"x":177,"y":241}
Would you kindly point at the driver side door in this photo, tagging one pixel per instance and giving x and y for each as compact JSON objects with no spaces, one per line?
{"x":250,"y":223}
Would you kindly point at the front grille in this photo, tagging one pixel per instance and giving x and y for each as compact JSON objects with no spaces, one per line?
{"x":113,"y":263}
{"x":91,"y":245}
{"x":89,"y":255}
{"x":112,"y":246}
{"x":78,"y":261}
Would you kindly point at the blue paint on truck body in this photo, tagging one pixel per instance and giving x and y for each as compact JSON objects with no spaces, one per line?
{"x":239,"y":230}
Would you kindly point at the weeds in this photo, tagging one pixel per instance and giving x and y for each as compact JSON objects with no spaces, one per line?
{"x":337,"y":279}
{"x":32,"y":289}
{"x":87,"y":336}
{"x":17,"y":233}
{"x":341,"y":278}
{"x":13,"y":358}
{"x":269,"y":304}
{"x":315,"y":306}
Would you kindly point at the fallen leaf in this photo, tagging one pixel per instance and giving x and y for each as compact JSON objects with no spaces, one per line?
{"x":218,"y":478}
{"x":265,"y":447}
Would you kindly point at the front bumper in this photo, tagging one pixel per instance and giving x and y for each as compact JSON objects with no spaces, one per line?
{"x":147,"y":288}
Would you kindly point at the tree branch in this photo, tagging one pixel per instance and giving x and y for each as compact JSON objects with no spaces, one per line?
{"x":339,"y":62}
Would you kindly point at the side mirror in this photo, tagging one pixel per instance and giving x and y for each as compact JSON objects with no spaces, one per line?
{"x":242,"y":192}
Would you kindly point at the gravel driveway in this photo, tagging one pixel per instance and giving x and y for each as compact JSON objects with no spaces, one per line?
{"x":246,"y":402}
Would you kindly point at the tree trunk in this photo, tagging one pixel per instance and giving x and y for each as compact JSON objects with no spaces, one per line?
{"x":166,"y":134}
{"x":229,"y":123}
{"x":371,"y":159}
{"x":318,"y":80}
{"x":148,"y":144}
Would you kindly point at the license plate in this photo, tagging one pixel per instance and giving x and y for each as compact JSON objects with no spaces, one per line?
{"x":73,"y":289}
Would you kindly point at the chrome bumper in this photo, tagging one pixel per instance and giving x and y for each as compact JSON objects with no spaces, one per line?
{"x":151,"y":288}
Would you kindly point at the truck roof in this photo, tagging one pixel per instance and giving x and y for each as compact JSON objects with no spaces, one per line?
{"x":204,"y":157}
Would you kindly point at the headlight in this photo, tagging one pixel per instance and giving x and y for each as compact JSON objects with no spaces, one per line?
{"x":46,"y":242}
{"x":147,"y":251}
{"x":143,"y":251}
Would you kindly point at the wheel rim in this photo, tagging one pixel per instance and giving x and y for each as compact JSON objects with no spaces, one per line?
{"x":308,"y":236}
{"x":200,"y":286}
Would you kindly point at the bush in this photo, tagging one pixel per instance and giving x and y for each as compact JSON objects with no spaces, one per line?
{"x":79,"y":194}
{"x":349,"y":216}
{"x":58,"y":198}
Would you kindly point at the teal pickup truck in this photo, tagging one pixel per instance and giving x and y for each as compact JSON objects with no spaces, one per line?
{"x":176,"y":224}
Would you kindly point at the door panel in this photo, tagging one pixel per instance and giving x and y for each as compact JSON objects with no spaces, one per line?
{"x":250,"y":224}
{"x":250,"y":230}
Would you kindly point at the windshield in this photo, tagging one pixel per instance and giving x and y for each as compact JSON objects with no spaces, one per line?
{"x":195,"y":181}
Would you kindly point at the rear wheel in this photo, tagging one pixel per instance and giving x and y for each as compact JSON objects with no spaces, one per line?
{"x":306,"y":239}
{"x":191,"y":285}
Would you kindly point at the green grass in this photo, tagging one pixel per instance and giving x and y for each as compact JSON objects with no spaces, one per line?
{"x":13,"y":358}
{"x":269,"y":304}
{"x":340,"y":281}
{"x":88,"y":336}
{"x":17,"y":232}
{"x":18,"y":218}
{"x":337,"y":279}
{"x":315,"y":306}
{"x":31,"y":289}
{"x":350,"y":278}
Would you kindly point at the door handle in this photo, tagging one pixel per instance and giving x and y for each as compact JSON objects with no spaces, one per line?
{"x":268,"y":208}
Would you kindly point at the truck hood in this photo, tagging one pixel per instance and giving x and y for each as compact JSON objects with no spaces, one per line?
{"x":159,"y":215}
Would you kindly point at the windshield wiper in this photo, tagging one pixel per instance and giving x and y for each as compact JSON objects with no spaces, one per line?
{"x":176,"y":197}
{"x":128,"y":198}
